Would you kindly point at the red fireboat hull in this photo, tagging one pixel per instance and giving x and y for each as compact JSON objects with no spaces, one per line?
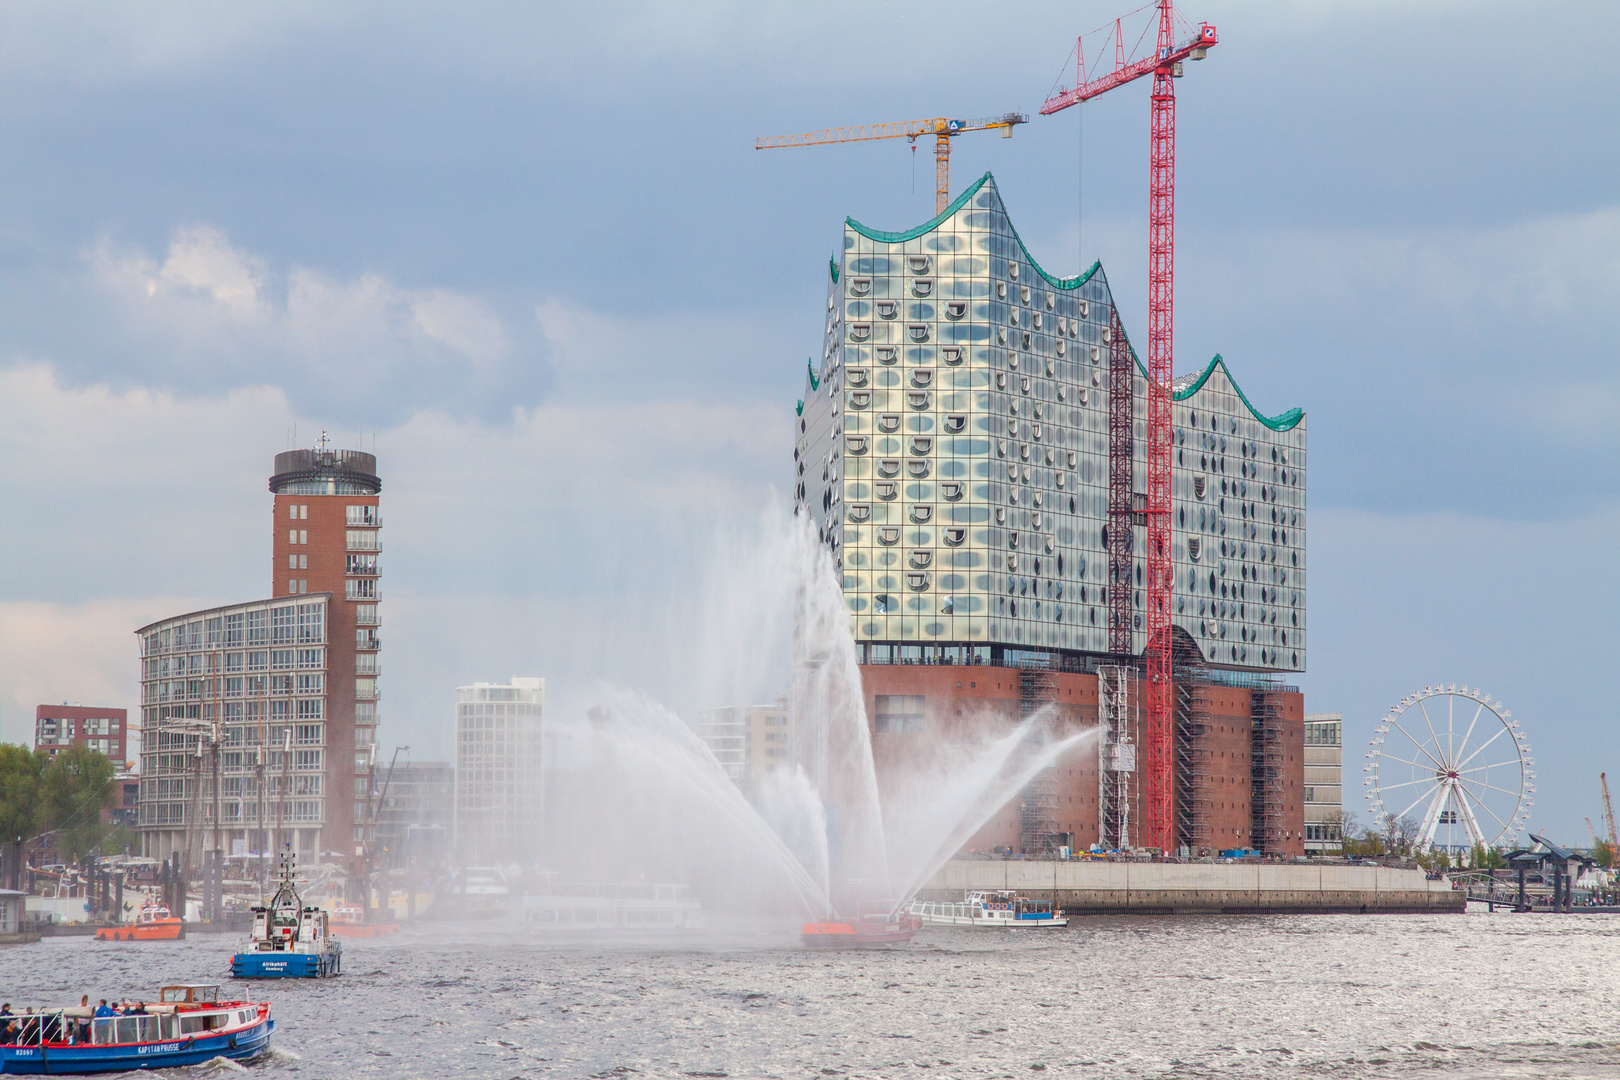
{"x":859,"y":934}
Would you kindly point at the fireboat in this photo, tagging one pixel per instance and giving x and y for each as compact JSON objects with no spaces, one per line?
{"x":288,"y":940}
{"x":865,"y":931}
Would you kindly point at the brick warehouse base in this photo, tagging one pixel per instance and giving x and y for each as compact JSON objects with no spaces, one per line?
{"x":1222,"y":778}
{"x":1085,"y":887}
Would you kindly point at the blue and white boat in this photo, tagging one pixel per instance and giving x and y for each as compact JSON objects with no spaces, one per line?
{"x":288,"y":940}
{"x":187,"y":1026}
{"x":990,"y":910}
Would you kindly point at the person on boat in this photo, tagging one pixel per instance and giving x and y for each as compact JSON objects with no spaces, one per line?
{"x":104,"y":1009}
{"x":139,"y":1009}
{"x":82,"y":1024}
{"x":8,"y":1026}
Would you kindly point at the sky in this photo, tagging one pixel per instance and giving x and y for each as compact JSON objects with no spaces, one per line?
{"x":528,"y":254}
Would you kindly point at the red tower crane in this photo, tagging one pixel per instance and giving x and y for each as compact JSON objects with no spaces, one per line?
{"x":1165,"y":66}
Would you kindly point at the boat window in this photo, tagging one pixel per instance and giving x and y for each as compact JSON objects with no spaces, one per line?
{"x":127,"y":1029}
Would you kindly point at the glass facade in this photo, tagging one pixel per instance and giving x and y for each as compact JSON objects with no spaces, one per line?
{"x":498,"y":784}
{"x":953,"y":452}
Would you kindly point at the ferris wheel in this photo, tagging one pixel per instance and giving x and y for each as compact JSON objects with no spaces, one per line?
{"x":1457,"y":757}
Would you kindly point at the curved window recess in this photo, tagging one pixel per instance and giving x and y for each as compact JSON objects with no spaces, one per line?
{"x":1001,"y":335}
{"x":859,"y":512}
{"x":918,"y":469}
{"x":1060,"y":479}
{"x":1038,"y":317}
{"x":955,"y":309}
{"x":1012,"y":317}
{"x":1063,"y":324}
{"x":888,"y":535}
{"x":1001,"y":515}
{"x":1108,"y":333}
{"x":1096,"y":376}
{"x":886,"y":353}
{"x":1051,"y":364}
{"x":1001,"y":290}
{"x":1051,"y":545}
{"x":952,"y":490}
{"x":1001,"y":447}
{"x":1023,"y":383}
{"x":1026,"y":343}
{"x":831,"y":301}
{"x":955,"y":423}
{"x":887,"y":308}
{"x":1062,"y":350}
{"x":921,"y":444}
{"x":1012,"y":563}
{"x":888,"y":466}
{"x":919,"y":264}
{"x":1012,"y":361}
{"x":952,"y":354}
{"x":922,"y":376}
{"x":860,"y":286}
{"x":1074,"y":328}
{"x":1023,"y":292}
{"x":1063,"y":393}
{"x":1195,"y":547}
{"x":1038,"y":498}
{"x":1071,"y":459}
{"x":1001,"y":380}
{"x":1051,"y":456}
{"x":860,"y":399}
{"x":1012,"y":539}
{"x":1036,"y":430}
{"x":921,"y":513}
{"x":885,"y":489}
{"x":888,"y":422}
{"x":918,"y":331}
{"x":857,"y":376}
{"x":1085,"y":309}
{"x":954,"y":537}
{"x":1082,"y":396}
{"x":1096,"y":354}
{"x":860,"y":331}
{"x":917,"y":580}
{"x":922,"y":286}
{"x":1051,"y":302}
{"x":917,"y":399}
{"x":1012,"y":270}
{"x":856,"y":444}
{"x":1023,"y":451}
{"x":1035,"y":520}
{"x":921,"y":558}
{"x":1037,"y":413}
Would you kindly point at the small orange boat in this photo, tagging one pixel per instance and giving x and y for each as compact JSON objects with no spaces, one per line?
{"x":349,"y":920}
{"x":154,"y":924}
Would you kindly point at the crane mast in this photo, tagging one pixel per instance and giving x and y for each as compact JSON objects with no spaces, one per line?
{"x":1165,"y":67}
{"x":1608,"y":812}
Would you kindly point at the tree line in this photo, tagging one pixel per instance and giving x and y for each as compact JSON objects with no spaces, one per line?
{"x":65,"y":794}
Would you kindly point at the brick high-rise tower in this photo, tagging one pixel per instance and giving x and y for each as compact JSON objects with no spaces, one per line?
{"x":327,"y":522}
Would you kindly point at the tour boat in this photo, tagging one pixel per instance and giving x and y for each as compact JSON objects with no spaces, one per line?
{"x":187,"y":1026}
{"x":614,"y":907}
{"x":287,"y":939}
{"x":153,"y":924}
{"x":350,"y":921}
{"x":989,"y":910}
{"x":861,"y":932}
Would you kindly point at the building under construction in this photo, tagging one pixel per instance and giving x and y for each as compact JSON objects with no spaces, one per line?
{"x":971,"y":448}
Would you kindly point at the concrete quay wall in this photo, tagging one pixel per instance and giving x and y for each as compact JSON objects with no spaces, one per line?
{"x":1086,"y":887}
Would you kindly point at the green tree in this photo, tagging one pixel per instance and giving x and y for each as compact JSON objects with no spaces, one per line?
{"x":1604,"y":854}
{"x":76,"y":787}
{"x":21,"y":817}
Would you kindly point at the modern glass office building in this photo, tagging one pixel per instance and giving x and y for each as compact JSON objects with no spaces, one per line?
{"x":953,"y":451}
{"x":498,"y":786}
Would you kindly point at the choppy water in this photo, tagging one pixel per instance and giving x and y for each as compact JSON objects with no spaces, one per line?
{"x":1263,"y":996}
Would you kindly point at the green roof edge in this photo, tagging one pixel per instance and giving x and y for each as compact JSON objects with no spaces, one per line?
{"x":961,"y":201}
{"x":1281,"y":422}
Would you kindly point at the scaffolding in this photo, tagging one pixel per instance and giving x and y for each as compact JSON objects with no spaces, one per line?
{"x":1194,"y":763}
{"x":1266,"y":771}
{"x":1037,"y":821}
{"x":1116,"y":755}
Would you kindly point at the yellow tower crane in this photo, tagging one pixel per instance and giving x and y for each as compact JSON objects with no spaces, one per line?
{"x":941,"y":128}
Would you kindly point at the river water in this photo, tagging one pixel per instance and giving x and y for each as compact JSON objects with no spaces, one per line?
{"x":1329,"y":996}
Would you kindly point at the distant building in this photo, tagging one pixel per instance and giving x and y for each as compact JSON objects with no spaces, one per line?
{"x":498,"y":780}
{"x":126,"y":811}
{"x":748,"y":740}
{"x":416,"y":811}
{"x":102,"y":729}
{"x":1324,"y":782}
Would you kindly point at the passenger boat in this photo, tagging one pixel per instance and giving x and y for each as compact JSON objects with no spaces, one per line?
{"x":861,"y":932}
{"x":188,"y":1026}
{"x":288,"y":940}
{"x":989,"y":910}
{"x":154,"y":923}
{"x":614,"y":907}
{"x":349,"y":920}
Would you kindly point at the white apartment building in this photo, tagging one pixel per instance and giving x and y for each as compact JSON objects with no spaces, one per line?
{"x":498,"y":771}
{"x":1324,"y":782}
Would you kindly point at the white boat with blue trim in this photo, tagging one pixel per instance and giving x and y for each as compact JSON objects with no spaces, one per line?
{"x":188,"y":1025}
{"x":287,"y":939}
{"x":988,"y":911}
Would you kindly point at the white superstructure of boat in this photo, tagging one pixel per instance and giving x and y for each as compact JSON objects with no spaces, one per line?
{"x":623,"y":907}
{"x":989,"y":910}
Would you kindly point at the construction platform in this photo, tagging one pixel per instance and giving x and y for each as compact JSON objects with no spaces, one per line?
{"x":1090,"y":887}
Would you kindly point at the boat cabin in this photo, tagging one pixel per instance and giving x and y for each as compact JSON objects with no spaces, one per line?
{"x":189,"y":993}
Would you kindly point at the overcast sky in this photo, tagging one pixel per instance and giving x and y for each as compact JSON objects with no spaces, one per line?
{"x":528,"y":253}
